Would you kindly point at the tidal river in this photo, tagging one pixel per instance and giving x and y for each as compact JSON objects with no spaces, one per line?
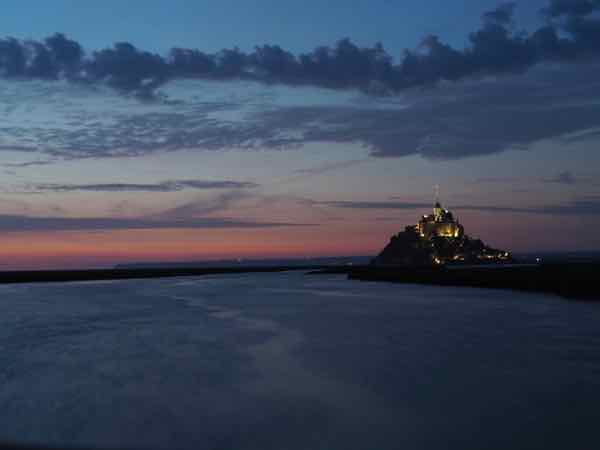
{"x":289,"y":361}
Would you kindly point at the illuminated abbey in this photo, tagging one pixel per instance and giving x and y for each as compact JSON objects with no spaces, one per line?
{"x":440,"y":223}
{"x":438,"y":239}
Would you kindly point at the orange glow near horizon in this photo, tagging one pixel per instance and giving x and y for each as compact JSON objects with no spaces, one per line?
{"x":362,"y":236}
{"x":102,"y":249}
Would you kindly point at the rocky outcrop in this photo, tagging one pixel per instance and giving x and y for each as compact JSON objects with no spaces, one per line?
{"x":410,"y":248}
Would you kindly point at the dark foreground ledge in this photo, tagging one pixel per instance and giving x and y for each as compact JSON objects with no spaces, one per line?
{"x":48,"y":276}
{"x":570,"y":280}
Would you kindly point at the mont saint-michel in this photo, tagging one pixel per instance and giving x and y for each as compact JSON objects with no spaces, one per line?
{"x":437,"y":239}
{"x":437,"y":251}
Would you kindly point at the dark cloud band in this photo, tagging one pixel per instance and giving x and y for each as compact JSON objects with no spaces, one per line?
{"x":165,"y":186}
{"x":558,"y":8}
{"x":572,"y":32}
{"x":21,"y":223}
{"x":588,"y":206}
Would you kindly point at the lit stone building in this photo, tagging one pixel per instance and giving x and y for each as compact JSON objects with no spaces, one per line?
{"x":440,"y":223}
{"x":437,"y":239}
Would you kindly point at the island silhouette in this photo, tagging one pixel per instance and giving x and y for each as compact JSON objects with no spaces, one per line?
{"x":438,"y":239}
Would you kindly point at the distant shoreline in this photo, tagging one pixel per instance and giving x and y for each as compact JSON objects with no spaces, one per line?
{"x":65,"y":276}
{"x":578,"y":281}
{"x":569,"y":280}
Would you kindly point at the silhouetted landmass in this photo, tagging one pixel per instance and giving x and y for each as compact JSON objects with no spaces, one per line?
{"x":409,"y":248}
{"x":437,"y":251}
{"x":575,"y":280}
{"x":179,"y":269}
{"x":49,"y":276}
{"x":569,"y":280}
{"x":270,"y":262}
{"x":438,"y":238}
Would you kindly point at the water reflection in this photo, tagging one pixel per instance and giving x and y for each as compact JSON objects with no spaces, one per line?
{"x":287,"y":361}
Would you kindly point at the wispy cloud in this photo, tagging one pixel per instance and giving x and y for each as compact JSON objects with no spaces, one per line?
{"x":578,"y":206}
{"x":500,"y":180}
{"x":165,"y":186}
{"x":330,"y":167}
{"x":37,"y":162}
{"x":21,"y":223}
{"x":546,"y":89}
{"x":376,"y":205}
{"x":220,"y":203}
{"x":565,"y":177}
{"x":456,"y":120}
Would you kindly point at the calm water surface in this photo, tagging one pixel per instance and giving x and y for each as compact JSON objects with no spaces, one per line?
{"x":288,"y":361}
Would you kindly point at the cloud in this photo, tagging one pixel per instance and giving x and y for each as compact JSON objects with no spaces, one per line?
{"x":190,"y":215}
{"x":329,"y":167}
{"x":303,"y":174}
{"x":494,"y":48}
{"x":571,"y":8}
{"x":376,"y":205}
{"x":565,"y":177}
{"x":546,"y":91}
{"x":588,"y":206}
{"x":165,"y":186}
{"x":202,"y":207}
{"x":21,"y":223}
{"x":502,"y":15}
{"x":20,"y":165}
{"x":127,"y":69}
{"x":501,"y":180}
{"x":454,"y":120}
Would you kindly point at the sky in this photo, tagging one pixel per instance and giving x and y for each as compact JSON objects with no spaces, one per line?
{"x":201,"y":130}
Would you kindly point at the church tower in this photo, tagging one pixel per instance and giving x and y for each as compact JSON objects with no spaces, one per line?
{"x":438,"y":212}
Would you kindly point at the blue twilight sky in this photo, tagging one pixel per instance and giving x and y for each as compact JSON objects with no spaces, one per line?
{"x":127,"y":155}
{"x":158,"y":25}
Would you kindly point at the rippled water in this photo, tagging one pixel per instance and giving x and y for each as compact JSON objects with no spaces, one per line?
{"x":288,"y":361}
